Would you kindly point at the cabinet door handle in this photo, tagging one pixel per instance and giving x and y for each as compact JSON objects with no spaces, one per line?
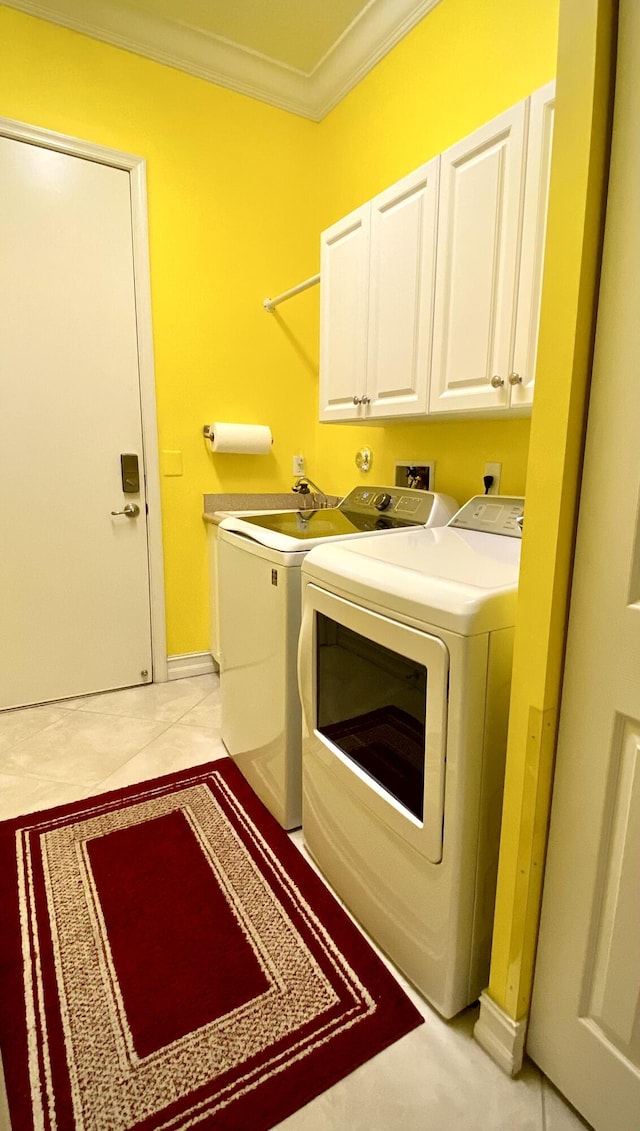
{"x":357,"y":400}
{"x":515,"y":379}
{"x":365,"y":400}
{"x":497,"y":382}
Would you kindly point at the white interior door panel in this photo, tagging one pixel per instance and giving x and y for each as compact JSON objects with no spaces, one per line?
{"x":74,"y":603}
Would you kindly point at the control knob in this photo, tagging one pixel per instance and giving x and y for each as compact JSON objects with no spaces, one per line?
{"x":381,"y":502}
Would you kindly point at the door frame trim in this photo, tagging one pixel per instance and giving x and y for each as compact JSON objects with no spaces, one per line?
{"x":500,"y":1036}
{"x":136,"y":167}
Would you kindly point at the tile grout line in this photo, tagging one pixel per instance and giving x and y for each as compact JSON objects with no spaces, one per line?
{"x":94,"y":715}
{"x":135,"y":752}
{"x":139,"y":718}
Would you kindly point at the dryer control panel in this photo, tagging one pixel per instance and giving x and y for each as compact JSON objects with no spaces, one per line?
{"x":491,"y":514}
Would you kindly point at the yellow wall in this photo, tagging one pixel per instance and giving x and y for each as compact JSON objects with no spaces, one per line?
{"x":232,"y":218}
{"x":463,"y":64}
{"x":576,"y":208}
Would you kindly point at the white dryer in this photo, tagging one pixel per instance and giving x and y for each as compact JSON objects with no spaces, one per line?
{"x":404,"y":670}
{"x":259,"y":561}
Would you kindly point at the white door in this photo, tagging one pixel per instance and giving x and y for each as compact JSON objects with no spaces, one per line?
{"x":585,"y":1019}
{"x":403,"y":259}
{"x":74,"y":599}
{"x":344,"y":313}
{"x":477,"y":259}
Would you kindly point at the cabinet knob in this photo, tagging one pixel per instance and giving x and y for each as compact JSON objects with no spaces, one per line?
{"x":497,"y":382}
{"x":357,"y":400}
{"x":365,"y":400}
{"x":515,"y":379}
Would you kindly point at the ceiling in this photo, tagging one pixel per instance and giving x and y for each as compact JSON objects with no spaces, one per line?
{"x":300,"y":55}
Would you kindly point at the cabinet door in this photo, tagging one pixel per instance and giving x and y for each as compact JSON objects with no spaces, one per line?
{"x":534,"y":229}
{"x":344,"y":302}
{"x":403,"y":226}
{"x":477,"y":258}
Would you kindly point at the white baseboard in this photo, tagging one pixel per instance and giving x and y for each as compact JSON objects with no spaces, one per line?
{"x":500,"y":1036}
{"x":190,"y":663}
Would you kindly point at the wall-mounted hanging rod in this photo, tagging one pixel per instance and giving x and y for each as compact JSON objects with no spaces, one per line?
{"x":271,"y":303}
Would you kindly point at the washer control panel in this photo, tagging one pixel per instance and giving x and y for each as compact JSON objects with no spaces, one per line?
{"x":404,"y":506}
{"x":492,"y":514}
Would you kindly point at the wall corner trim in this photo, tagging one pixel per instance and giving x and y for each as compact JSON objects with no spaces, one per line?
{"x":500,"y":1036}
{"x":189,"y":664}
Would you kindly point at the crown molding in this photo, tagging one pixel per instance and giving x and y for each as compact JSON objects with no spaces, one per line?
{"x":380,"y":26}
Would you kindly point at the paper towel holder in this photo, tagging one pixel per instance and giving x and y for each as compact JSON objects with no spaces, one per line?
{"x":208,"y":433}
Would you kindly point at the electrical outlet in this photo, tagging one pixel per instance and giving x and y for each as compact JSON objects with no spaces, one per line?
{"x":495,"y":470}
{"x":298,"y":465}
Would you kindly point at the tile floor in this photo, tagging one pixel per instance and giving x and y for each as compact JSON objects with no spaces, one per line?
{"x":435,"y":1079}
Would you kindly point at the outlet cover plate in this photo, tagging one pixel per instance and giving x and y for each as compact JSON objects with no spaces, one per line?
{"x":494,"y":469}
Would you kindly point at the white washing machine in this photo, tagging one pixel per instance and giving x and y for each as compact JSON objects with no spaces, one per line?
{"x":404,"y":670}
{"x":259,"y":562}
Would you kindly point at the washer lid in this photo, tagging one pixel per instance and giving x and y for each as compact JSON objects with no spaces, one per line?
{"x":462,"y":580}
{"x":296,"y":532}
{"x":363,"y":512}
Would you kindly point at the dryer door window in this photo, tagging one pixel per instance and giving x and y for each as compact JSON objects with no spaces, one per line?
{"x":372,"y":705}
{"x":374,"y":693}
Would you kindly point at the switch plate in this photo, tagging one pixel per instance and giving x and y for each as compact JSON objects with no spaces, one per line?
{"x":494,"y":469}
{"x":171,"y":463}
{"x":298,"y":465}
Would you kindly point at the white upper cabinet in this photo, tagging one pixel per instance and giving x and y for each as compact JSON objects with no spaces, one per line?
{"x":430,"y":293}
{"x":344,"y":308}
{"x":377,"y":283}
{"x":402,"y":275}
{"x":491,"y":230}
{"x":534,"y":229}
{"x":480,"y":191}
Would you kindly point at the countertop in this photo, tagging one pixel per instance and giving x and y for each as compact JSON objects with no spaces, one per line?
{"x":215,"y":506}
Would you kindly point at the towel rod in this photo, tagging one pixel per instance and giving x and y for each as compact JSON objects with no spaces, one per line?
{"x":270,"y":304}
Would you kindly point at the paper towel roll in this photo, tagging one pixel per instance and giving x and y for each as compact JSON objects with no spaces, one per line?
{"x":244,"y":439}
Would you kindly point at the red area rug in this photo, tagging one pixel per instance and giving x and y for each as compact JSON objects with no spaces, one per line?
{"x":169,"y":960}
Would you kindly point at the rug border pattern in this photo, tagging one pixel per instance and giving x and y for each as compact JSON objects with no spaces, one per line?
{"x":40,"y":1067}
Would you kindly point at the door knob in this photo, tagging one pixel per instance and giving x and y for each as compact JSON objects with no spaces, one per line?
{"x":515,"y":379}
{"x":497,"y":382}
{"x":130,"y":509}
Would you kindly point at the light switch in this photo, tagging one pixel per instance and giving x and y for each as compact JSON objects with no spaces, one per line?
{"x":171,"y":463}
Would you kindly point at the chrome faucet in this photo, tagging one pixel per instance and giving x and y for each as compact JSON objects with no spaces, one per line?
{"x":303,"y":485}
